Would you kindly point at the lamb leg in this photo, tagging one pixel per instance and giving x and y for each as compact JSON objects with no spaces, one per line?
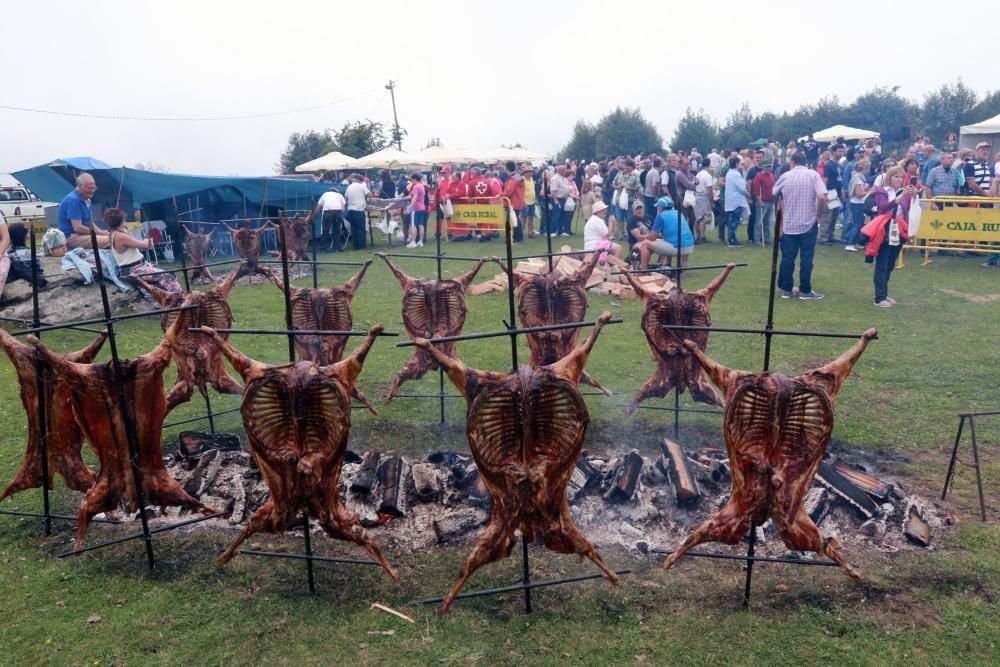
{"x":352,"y":284}
{"x":572,"y":365}
{"x":709,"y":290}
{"x":566,"y":534}
{"x":588,"y":379}
{"x":496,"y":542}
{"x":728,"y":526}
{"x":718,"y":373}
{"x":832,"y":375}
{"x":457,"y":371}
{"x":802,"y":534}
{"x":262,"y":519}
{"x":404,"y":280}
{"x":656,"y":387}
{"x":466,"y":278}
{"x":341,"y":524}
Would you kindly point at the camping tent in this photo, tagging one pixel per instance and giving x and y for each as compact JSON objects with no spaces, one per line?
{"x":848,"y":133}
{"x":988,"y":130}
{"x":334,"y":161}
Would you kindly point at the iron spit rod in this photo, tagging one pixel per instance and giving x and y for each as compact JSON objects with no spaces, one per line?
{"x":318,"y":263}
{"x":136,"y":536}
{"x":21,"y":320}
{"x":672,"y":409}
{"x":235,"y":260}
{"x":670,"y":269}
{"x":442,"y":256}
{"x":776,"y":332}
{"x":519,"y":587}
{"x":59,"y":517}
{"x":296,"y":332}
{"x":508,"y":332}
{"x":757,"y":559}
{"x":99,"y":320}
{"x":324,"y":559}
{"x":203,"y":417}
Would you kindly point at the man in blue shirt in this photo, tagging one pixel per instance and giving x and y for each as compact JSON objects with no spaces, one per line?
{"x":735,"y":198}
{"x":662,"y":238}
{"x":74,"y":215}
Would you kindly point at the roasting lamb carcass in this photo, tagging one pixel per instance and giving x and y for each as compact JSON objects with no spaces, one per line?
{"x":197,"y":246}
{"x":431,"y":309}
{"x":675,"y":366}
{"x":554,"y":298}
{"x":525,"y":430}
{"x":776,"y":430}
{"x":297,"y":231}
{"x":199,"y":362}
{"x":247,"y":242}
{"x":325,"y":308}
{"x":63,"y":435}
{"x":96,"y":406}
{"x":298,"y":419}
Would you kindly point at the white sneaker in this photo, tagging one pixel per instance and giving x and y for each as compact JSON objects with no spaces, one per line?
{"x":851,"y":248}
{"x":564,"y":234}
{"x":553,"y":235}
{"x":420,"y":244}
{"x":411,"y":244}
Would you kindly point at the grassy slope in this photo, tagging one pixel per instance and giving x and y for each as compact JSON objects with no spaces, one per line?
{"x":934,"y":359}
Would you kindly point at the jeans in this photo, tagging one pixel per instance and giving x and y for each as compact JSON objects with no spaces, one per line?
{"x":885,"y":262}
{"x":792,"y":245}
{"x":765,"y":218}
{"x":519,"y":230}
{"x":732,"y":223}
{"x":557,"y":222}
{"x":854,"y":220}
{"x":357,"y":220}
{"x":752,"y":222}
{"x":650,"y":204}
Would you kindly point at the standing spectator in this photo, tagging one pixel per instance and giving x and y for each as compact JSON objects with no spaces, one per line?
{"x":587,"y":200}
{"x":714,"y":160}
{"x":888,"y":231}
{"x":950,"y":144}
{"x":911,"y":173}
{"x":942,"y":180}
{"x":4,"y":259}
{"x":695,"y":160}
{"x":513,"y":189}
{"x":418,"y":210}
{"x":74,"y":215}
{"x":651,"y":186}
{"x":704,"y":196}
{"x":357,"y":201}
{"x":530,"y":200}
{"x":668,"y":180}
{"x":386,"y":189}
{"x":756,"y":160}
{"x":802,"y":191}
{"x":330,"y":208}
{"x":978,"y":172}
{"x":736,"y":198}
{"x":627,"y":182}
{"x":811,"y":149}
{"x":857,"y":191}
{"x":834,"y":189}
{"x":559,"y":185}
{"x":762,"y":191}
{"x":685,"y":184}
{"x":931,"y":160}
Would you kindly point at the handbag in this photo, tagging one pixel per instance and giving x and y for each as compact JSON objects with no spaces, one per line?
{"x":688,"y":200}
{"x":622,"y":200}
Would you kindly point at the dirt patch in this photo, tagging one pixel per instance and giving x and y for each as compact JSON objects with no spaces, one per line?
{"x":971,"y":298}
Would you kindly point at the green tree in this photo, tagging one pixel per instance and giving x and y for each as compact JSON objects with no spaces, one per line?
{"x":625,"y":131}
{"x":362,"y":138}
{"x":582,"y":143}
{"x":988,"y":107}
{"x":302,"y":147}
{"x":695,"y":128}
{"x":945,"y":109}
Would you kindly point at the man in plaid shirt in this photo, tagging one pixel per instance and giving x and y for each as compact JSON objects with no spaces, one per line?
{"x":802,"y":194}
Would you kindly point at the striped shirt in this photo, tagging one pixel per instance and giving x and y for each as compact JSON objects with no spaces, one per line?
{"x":800,"y":188}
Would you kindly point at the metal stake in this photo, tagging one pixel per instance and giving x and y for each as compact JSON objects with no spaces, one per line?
{"x":750,"y":561}
{"x":43,"y":427}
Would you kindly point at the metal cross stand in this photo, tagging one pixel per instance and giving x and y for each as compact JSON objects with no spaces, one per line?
{"x":950,"y":476}
{"x":526,"y":585}
{"x":291,"y":331}
{"x":108,"y":320}
{"x":768,"y":332}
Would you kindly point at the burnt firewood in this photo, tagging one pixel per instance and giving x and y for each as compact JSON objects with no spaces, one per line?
{"x":678,"y":469}
{"x":915,"y":528}
{"x":204,"y":473}
{"x":364,"y":478}
{"x":625,"y":479}
{"x":816,"y":503}
{"x":426,"y":482}
{"x":192,"y":444}
{"x":870,"y":484}
{"x":391,"y":480}
{"x":458,"y":523}
{"x":842,"y":487}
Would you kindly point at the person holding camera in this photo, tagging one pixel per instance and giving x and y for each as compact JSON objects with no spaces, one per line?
{"x":888,"y":231}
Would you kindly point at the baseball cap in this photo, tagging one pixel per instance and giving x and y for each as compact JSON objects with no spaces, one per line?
{"x":859,"y":149}
{"x":981,"y":144}
{"x":637,"y":204}
{"x":664,"y":202}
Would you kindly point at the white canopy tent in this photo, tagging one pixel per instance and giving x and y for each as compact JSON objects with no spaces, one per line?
{"x":390,"y":158}
{"x":510,"y":155}
{"x":438,"y":155}
{"x":848,"y":133}
{"x":987,"y":130}
{"x":330,"y":162}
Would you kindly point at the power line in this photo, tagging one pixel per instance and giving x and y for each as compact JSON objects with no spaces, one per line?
{"x":187,"y":118}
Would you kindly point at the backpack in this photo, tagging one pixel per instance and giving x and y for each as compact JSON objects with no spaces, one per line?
{"x":871,"y":209}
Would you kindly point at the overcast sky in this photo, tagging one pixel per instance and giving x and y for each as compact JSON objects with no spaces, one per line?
{"x":474,"y":74}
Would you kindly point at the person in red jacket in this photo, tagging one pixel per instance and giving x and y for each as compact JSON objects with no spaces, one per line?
{"x":513,"y":190}
{"x":458,"y":192}
{"x":888,"y":231}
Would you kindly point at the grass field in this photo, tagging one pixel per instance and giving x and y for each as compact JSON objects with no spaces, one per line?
{"x":936,"y":355}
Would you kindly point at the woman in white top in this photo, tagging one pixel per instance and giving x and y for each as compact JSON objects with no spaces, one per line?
{"x":126,"y":251}
{"x":597,"y":236}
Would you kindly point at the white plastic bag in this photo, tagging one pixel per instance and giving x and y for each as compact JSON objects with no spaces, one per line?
{"x":688,"y":199}
{"x":623,"y":200}
{"x":914,"y":221}
{"x":570,"y":204}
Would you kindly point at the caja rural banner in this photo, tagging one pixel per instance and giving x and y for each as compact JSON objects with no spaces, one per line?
{"x":482,"y":216}
{"x":956,"y":223}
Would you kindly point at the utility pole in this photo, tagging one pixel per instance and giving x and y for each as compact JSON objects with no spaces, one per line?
{"x":391,"y":87}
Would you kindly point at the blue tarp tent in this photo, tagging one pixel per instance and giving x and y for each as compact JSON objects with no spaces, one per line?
{"x":198,"y":198}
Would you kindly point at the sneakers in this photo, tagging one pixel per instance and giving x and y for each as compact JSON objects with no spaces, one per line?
{"x":420,"y":244}
{"x":735,"y":245}
{"x":553,"y":235}
{"x":892,"y":302}
{"x":851,"y":248}
{"x":990,"y":262}
{"x":786,"y":294}
{"x":811,"y":296}
{"x":883,"y":304}
{"x":411,"y":244}
{"x":563,"y":234}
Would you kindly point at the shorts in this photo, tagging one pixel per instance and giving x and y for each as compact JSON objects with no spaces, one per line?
{"x":419,"y":218}
{"x":661,"y":247}
{"x":528,"y":211}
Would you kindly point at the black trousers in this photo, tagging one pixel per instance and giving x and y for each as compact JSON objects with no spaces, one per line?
{"x":358,"y":238}
{"x":885,"y":262}
{"x":333,"y":224}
